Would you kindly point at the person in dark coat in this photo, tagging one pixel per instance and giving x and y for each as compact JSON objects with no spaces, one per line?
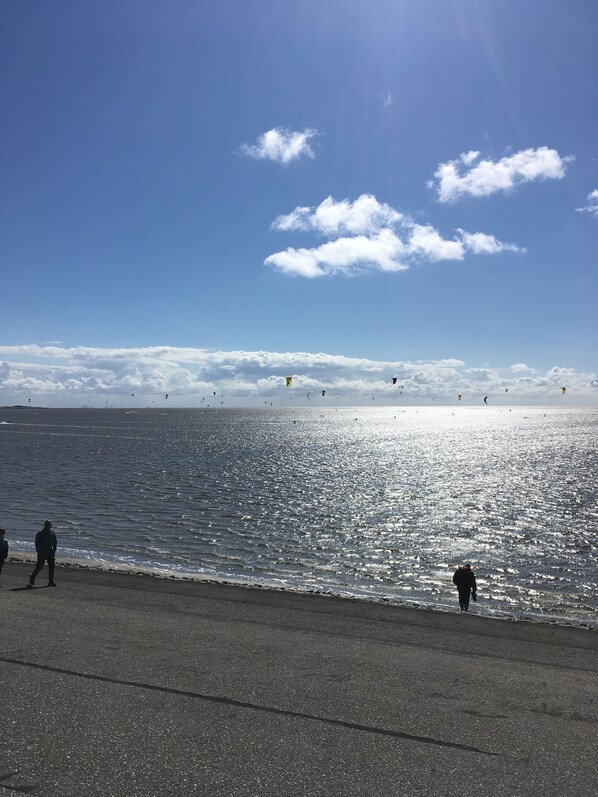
{"x":464,"y":580}
{"x":3,"y":548}
{"x":45,"y":545}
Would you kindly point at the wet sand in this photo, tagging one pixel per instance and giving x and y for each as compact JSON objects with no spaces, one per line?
{"x":117,"y":684}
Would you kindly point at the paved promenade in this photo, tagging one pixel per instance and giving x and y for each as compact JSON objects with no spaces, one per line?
{"x":131,"y":686}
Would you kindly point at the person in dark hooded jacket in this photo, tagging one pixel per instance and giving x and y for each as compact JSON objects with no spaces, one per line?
{"x":45,"y":545}
{"x":464,"y":580}
{"x":3,"y":548}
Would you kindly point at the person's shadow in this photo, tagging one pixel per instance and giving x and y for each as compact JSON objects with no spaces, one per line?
{"x":27,"y":589}
{"x":22,"y":789}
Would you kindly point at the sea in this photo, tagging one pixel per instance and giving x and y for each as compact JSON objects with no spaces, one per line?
{"x":374,"y":504}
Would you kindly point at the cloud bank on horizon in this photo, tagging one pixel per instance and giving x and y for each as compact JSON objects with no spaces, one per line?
{"x":83,"y":376}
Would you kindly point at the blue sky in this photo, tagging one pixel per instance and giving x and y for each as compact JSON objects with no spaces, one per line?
{"x":202,"y":195}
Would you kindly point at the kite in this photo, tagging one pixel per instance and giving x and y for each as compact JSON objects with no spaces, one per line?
{"x":563,"y":390}
{"x":394,"y":380}
{"x":485,"y":399}
{"x":289,"y":381}
{"x":323,"y":392}
{"x":166,"y":396}
{"x":594,"y":383}
{"x":459,"y":396}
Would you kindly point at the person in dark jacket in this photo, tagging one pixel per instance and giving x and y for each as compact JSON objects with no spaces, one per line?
{"x":45,"y":545}
{"x":464,"y":579}
{"x":3,"y":548}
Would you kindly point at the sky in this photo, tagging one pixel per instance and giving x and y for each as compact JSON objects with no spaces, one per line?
{"x":200,"y":198}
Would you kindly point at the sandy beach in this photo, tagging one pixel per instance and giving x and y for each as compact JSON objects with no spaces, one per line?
{"x":130,"y":685}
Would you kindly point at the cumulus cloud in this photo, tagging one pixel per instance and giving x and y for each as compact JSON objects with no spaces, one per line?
{"x":373,"y":235}
{"x":344,"y":255}
{"x":469,"y":176}
{"x":363,"y":216}
{"x":55,"y":376}
{"x":427,"y":242}
{"x":481,"y":244}
{"x":281,"y":145}
{"x":592,"y":206}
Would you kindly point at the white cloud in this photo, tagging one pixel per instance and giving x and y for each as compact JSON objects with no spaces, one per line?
{"x":460,"y":177}
{"x":592,"y":206}
{"x":281,"y":145}
{"x":363,"y":216}
{"x":520,"y":368}
{"x":480,"y":243}
{"x":374,"y":236}
{"x":344,"y":255}
{"x":386,"y":98}
{"x":425,"y":241}
{"x":55,"y":376}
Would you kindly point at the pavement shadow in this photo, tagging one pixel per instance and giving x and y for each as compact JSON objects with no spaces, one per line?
{"x":22,"y":789}
{"x":28,"y":589}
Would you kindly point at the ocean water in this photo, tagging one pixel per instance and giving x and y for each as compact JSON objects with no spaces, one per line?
{"x":377,"y":504}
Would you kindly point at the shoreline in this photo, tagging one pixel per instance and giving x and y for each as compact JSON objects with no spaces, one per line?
{"x":405,"y":612}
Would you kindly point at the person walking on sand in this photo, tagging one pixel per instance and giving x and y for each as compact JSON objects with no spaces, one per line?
{"x":464,"y":580}
{"x":45,"y":545}
{"x":3,"y":549}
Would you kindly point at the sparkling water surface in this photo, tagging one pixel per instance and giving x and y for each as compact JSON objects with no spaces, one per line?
{"x":372,"y":503}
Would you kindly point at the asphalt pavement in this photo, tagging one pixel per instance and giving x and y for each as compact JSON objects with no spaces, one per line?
{"x":130,"y":686}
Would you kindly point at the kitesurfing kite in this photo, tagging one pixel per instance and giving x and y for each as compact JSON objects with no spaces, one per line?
{"x":563,"y":390}
{"x":394,"y":380}
{"x":323,"y":392}
{"x":289,"y":381}
{"x":459,"y":396}
{"x":594,"y":383}
{"x":485,"y":399}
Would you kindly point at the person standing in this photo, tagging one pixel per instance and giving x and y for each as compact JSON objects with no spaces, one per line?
{"x":3,"y":549}
{"x":45,"y":545}
{"x":464,"y":580}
